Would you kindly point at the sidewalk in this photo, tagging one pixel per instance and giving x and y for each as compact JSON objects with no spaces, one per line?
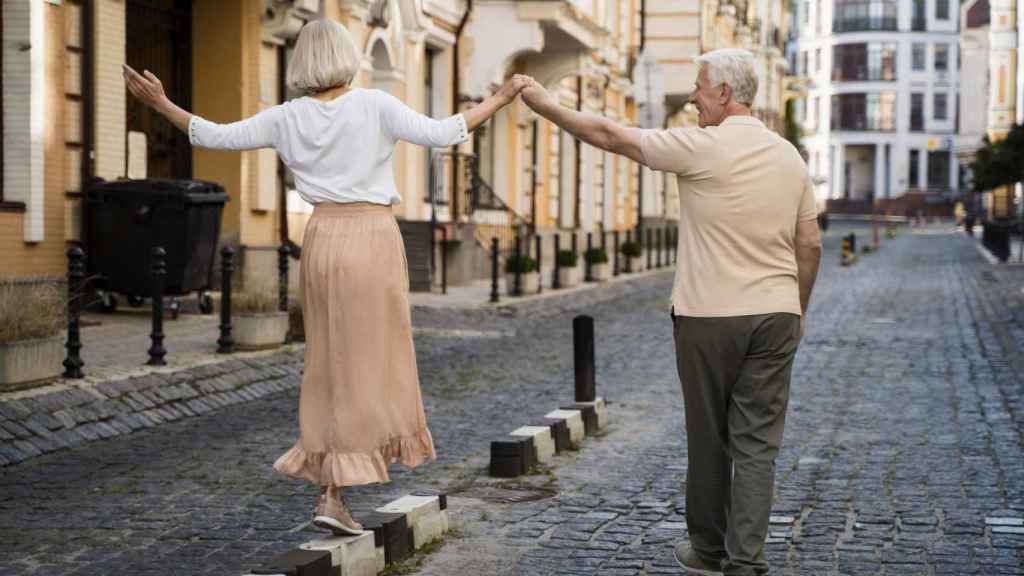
{"x":120,"y":394}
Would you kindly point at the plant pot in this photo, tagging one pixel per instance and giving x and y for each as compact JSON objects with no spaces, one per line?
{"x":259,"y":331}
{"x":636,"y":264}
{"x":601,"y":272}
{"x":568,"y":277}
{"x":528,"y":283}
{"x":26,"y":362}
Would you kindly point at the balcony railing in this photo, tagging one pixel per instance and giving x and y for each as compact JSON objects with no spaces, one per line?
{"x":865,"y":24}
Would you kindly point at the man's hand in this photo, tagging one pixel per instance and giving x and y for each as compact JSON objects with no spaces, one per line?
{"x":535,"y":95}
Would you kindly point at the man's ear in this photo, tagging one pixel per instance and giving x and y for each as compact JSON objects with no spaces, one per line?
{"x":726,"y":94}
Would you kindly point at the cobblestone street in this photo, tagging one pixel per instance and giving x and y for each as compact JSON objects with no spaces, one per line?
{"x":903,"y":452}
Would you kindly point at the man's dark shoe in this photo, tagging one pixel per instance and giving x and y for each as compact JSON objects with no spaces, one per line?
{"x":692,"y":563}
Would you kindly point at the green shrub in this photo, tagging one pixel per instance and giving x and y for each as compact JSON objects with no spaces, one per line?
{"x":630,"y":249}
{"x":597,"y":256}
{"x":566,"y":258}
{"x":31,"y":312}
{"x":522,"y":264}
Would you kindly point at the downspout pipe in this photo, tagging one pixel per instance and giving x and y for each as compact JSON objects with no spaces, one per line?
{"x":456,"y":100}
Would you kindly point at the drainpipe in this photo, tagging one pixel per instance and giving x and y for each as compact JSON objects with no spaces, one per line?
{"x":456,"y":89}
{"x":640,"y":171}
{"x":88,"y":164}
{"x":579,"y":151}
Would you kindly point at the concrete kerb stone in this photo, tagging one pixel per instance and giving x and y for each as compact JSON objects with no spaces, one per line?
{"x":68,"y":414}
{"x":574,"y":419}
{"x":393,"y":532}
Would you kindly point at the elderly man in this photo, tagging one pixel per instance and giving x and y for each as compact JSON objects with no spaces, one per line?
{"x":749,"y":248}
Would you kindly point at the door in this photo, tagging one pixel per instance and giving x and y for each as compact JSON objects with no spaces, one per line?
{"x":159,"y":38}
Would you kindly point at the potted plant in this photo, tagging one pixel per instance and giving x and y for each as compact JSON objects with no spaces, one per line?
{"x":529,"y":275}
{"x":256,"y":321}
{"x":600,"y":270}
{"x":568,"y":273}
{"x":634,"y":253}
{"x":31,"y":343}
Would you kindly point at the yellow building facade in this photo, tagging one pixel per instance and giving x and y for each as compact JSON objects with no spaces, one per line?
{"x":67,"y":118}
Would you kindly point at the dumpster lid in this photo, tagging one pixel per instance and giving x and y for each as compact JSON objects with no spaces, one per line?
{"x":163,"y":186}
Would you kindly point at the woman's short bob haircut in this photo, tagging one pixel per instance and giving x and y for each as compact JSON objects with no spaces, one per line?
{"x":325,"y":57}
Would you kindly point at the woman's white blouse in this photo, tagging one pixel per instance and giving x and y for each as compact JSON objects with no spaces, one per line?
{"x":339,"y":150}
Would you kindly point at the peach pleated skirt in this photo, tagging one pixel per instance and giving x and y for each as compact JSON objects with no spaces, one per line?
{"x":360,"y":408}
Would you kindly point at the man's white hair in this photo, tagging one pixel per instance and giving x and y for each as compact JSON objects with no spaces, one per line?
{"x":735,"y":67}
{"x":325,"y":57}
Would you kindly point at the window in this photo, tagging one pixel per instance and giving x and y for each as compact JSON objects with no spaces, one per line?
{"x":875,"y":112}
{"x":819,"y":121}
{"x":914,"y":172}
{"x":917,"y":19}
{"x":806,"y":62}
{"x":941,"y":57}
{"x":817,"y":17}
{"x":939,"y":171}
{"x":817,"y":60}
{"x":942,"y":9}
{"x":941,"y":102}
{"x":859,"y":62}
{"x":917,"y":112}
{"x":806,"y":16}
{"x":918,"y":55}
{"x":864,"y":15}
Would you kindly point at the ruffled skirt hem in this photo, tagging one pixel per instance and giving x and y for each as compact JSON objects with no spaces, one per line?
{"x":356,"y":468}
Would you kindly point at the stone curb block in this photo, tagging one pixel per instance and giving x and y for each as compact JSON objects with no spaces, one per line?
{"x":393,"y":532}
{"x":563,"y":429}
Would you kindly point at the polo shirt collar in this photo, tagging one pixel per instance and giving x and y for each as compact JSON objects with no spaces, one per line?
{"x":743,"y":120}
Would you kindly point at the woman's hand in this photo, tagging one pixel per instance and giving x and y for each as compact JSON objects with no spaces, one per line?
{"x":508,"y":91}
{"x":146,"y":87}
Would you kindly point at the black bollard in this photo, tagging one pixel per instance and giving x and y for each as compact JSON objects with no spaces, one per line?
{"x":629,"y":259}
{"x":540,"y":264}
{"x":282,"y":277}
{"x":444,"y":263}
{"x":76,"y":275}
{"x":650,"y":245}
{"x":853,"y":242}
{"x":495,"y":296}
{"x":159,"y":272}
{"x":583,"y":351}
{"x":586,"y":260}
{"x":517,"y":289}
{"x":661,"y":245}
{"x":226,"y":344}
{"x":556,"y":282}
{"x":615,"y":238}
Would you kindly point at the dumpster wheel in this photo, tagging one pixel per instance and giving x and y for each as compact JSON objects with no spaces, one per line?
{"x":136,"y":301}
{"x":108,"y":303}
{"x":205,"y":303}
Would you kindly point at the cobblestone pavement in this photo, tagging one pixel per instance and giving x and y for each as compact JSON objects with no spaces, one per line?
{"x":904,"y":435}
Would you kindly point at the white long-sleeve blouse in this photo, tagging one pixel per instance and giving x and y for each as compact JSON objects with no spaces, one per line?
{"x":340,"y":150}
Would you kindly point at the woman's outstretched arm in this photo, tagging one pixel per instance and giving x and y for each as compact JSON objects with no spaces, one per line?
{"x":257,"y":131}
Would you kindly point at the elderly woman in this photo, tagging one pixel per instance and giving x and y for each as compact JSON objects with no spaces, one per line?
{"x":360,"y":407}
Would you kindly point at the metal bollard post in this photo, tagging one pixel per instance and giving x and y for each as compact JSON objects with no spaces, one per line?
{"x":650,"y":244}
{"x":661,"y":247}
{"x":495,"y":296}
{"x":444,"y":262}
{"x":556,"y":282}
{"x":615,"y":238}
{"x":583,"y":354}
{"x":282,"y":277}
{"x":540,"y":264}
{"x":159,"y":271}
{"x":629,"y":259}
{"x":586,"y":260}
{"x":853,"y":242}
{"x":517,"y":286}
{"x":226,"y":344}
{"x":76,"y":274}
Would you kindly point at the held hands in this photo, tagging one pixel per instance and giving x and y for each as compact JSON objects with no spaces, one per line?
{"x":146,"y":87}
{"x":532,"y":92}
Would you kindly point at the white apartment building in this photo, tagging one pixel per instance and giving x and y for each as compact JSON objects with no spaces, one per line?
{"x":880,"y":117}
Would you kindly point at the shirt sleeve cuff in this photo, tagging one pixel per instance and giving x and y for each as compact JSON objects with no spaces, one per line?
{"x":461,"y":129}
{"x":192,"y":129}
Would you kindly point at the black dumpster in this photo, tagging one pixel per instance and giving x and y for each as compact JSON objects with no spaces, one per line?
{"x":125,"y":219}
{"x":995,"y":236}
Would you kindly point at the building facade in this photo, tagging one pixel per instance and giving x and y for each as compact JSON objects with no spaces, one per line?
{"x":880,"y":114}
{"x":67,"y":120}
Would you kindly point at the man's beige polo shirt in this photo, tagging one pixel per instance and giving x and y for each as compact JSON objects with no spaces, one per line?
{"x":742,"y":190}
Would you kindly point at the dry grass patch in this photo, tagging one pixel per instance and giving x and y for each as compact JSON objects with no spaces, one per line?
{"x":31,"y":312}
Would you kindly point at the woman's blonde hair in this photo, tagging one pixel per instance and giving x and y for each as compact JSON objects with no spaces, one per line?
{"x":325,"y":57}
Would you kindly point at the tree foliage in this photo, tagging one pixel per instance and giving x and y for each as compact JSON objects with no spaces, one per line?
{"x":1000,"y":163}
{"x":792,"y":126}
